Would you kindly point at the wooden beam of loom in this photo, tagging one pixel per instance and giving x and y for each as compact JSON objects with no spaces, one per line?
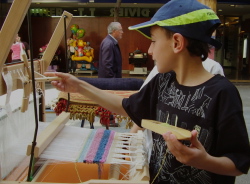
{"x":40,"y":66}
{"x":11,"y":27}
{"x":8,"y":32}
{"x":55,"y":39}
{"x":49,"y":134}
{"x":52,"y":47}
{"x":161,"y":128}
{"x":87,"y":182}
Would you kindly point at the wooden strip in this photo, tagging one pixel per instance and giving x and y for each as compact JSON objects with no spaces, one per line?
{"x":115,"y":182}
{"x":114,"y":172}
{"x":161,"y":128}
{"x":16,"y":174}
{"x":55,"y":40}
{"x":87,"y":182}
{"x":50,"y":132}
{"x":11,"y":27}
{"x":139,"y":154}
{"x":27,"y":85}
{"x":51,"y":50}
{"x":46,"y":79}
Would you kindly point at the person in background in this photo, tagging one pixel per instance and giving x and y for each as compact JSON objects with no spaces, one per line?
{"x":26,"y":45}
{"x":185,"y":95}
{"x":18,"y":47}
{"x":110,"y":59}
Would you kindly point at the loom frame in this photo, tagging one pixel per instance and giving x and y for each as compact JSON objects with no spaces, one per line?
{"x":14,"y":20}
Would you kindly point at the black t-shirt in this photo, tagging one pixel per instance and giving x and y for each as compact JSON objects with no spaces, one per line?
{"x":213,"y":108}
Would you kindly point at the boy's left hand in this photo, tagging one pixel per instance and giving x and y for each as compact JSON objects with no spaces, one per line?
{"x":195,"y":155}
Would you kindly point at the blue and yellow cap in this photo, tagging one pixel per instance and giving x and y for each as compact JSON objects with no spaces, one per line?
{"x":187,"y":17}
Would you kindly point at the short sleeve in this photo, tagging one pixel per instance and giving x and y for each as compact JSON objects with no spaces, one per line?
{"x":232,"y":140}
{"x":142,"y":105}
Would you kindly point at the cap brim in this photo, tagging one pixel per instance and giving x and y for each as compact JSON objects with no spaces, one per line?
{"x":215,"y":43}
{"x":143,"y":28}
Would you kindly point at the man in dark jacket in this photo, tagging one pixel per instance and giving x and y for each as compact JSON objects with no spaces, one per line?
{"x":110,"y":59}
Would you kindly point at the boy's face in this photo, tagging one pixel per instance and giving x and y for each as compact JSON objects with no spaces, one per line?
{"x":161,"y":49}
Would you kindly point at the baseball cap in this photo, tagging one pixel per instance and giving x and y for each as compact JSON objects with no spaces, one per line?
{"x":187,"y":17}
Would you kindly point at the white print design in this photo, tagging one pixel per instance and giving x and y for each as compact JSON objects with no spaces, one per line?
{"x":175,"y":98}
{"x":173,"y":171}
{"x":193,"y":101}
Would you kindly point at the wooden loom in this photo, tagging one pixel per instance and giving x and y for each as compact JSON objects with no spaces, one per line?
{"x":14,"y":20}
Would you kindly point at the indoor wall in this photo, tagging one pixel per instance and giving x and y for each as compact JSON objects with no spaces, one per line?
{"x":95,"y":32}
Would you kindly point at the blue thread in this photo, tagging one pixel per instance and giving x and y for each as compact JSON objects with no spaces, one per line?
{"x":102,"y":146}
{"x":86,"y":147}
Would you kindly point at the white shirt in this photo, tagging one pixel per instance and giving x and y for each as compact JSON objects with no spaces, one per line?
{"x":210,"y":65}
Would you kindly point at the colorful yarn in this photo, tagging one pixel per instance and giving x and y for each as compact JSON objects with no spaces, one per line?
{"x":94,"y":146}
{"x":97,"y":147}
{"x":102,"y":146}
{"x":60,"y":106}
{"x":107,"y":148}
{"x":104,"y":115}
{"x":87,"y":146}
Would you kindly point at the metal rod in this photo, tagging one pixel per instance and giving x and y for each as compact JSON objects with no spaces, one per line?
{"x":30,"y":174}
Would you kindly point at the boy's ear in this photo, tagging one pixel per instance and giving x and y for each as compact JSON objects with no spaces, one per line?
{"x":179,"y":42}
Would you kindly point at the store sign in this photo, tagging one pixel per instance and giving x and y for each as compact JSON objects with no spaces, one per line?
{"x":123,"y":12}
{"x":131,"y":12}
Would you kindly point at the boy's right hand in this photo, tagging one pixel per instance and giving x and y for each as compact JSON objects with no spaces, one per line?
{"x":67,"y":83}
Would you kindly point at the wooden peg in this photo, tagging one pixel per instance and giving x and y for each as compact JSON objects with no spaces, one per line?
{"x":27,"y":85}
{"x":44,"y":79}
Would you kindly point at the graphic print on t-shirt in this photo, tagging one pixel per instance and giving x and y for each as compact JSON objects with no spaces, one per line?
{"x":176,"y":107}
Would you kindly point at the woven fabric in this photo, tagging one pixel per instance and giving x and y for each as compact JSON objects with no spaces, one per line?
{"x":97,"y":147}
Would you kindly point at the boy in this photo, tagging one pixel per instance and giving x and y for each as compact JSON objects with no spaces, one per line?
{"x":183,"y":94}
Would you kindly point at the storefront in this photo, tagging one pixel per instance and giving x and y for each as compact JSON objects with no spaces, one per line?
{"x":234,"y":34}
{"x":94,"y":15}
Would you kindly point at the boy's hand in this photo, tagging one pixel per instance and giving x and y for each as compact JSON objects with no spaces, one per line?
{"x":67,"y":83}
{"x":195,"y":155}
